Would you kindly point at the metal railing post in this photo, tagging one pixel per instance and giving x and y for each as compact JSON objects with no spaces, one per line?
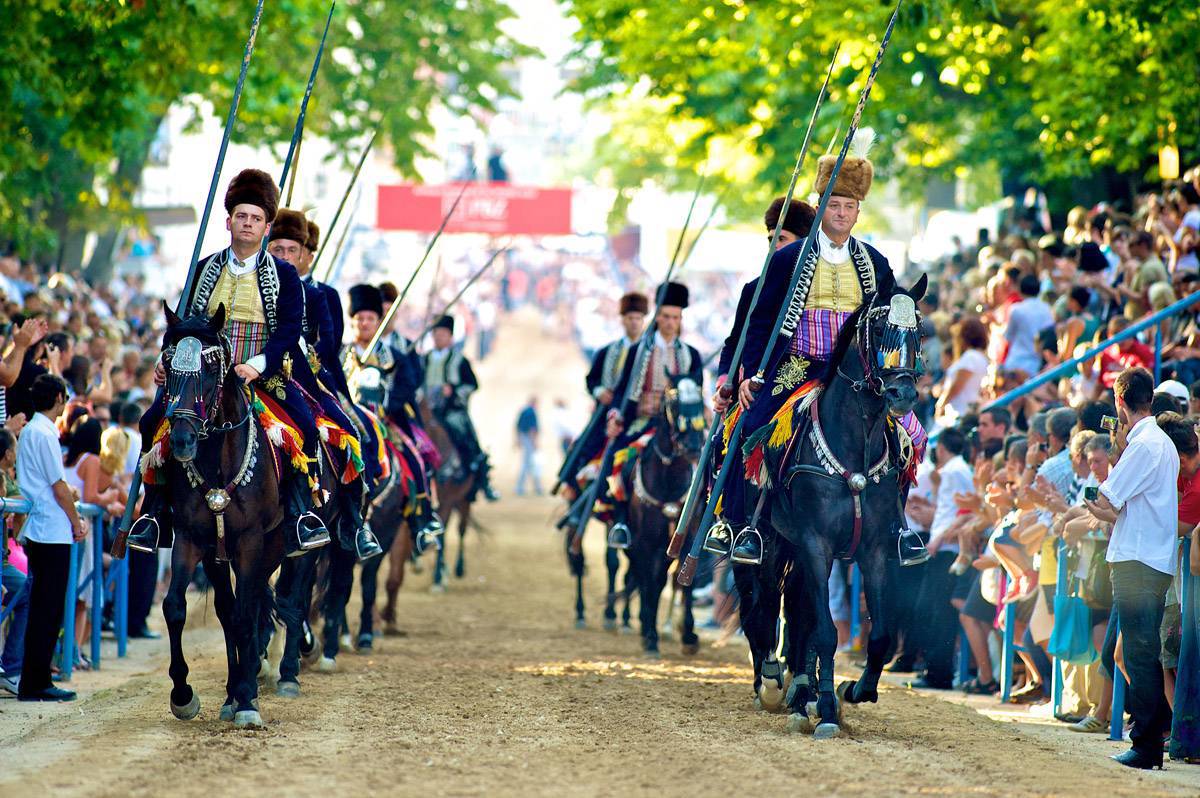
{"x":67,"y":663}
{"x":1116,"y":726}
{"x":1008,"y":651}
{"x":1060,"y":587}
{"x":964,"y":656}
{"x":121,"y":606}
{"x":97,"y":554}
{"x":1157,"y":353}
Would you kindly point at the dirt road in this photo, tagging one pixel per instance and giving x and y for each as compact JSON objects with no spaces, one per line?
{"x":493,"y":692}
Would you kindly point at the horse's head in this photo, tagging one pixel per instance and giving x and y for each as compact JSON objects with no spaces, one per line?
{"x":683,"y":410}
{"x":196,"y":357}
{"x":889,"y":343}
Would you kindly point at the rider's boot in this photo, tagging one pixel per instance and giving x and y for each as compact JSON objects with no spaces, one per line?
{"x":302,"y":529}
{"x":366,"y":545}
{"x":719,"y":540}
{"x":426,"y":527}
{"x":747,"y":547}
{"x":153,"y":527}
{"x":482,"y":470}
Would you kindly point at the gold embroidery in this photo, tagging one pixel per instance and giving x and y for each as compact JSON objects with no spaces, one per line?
{"x":790,"y":375}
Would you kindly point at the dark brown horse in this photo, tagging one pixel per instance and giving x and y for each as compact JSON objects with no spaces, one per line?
{"x":225,"y":501}
{"x":455,"y":494}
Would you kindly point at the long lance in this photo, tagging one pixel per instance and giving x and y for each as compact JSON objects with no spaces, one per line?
{"x":342,"y":204}
{"x":688,"y":570}
{"x":461,"y":292}
{"x":391,"y":313}
{"x":700,"y":473}
{"x":598,"y":414}
{"x":637,"y":376}
{"x":298,"y":132}
{"x":717,"y":204}
{"x":189,"y":282}
{"x":337,"y":250}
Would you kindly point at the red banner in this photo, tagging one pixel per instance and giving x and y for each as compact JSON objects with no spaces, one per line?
{"x":495,"y":208}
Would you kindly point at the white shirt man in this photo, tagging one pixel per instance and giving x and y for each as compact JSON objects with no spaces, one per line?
{"x":1142,"y":489}
{"x":39,"y":467}
{"x":955,"y":478}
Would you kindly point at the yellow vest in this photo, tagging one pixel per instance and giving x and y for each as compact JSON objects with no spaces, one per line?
{"x":835,"y":288}
{"x":239,"y":294}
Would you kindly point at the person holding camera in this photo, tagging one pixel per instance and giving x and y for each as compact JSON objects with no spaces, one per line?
{"x":1139,"y":499}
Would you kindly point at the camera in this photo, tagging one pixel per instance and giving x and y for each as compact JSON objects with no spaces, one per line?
{"x":1109,"y":423}
{"x":1091,"y":493}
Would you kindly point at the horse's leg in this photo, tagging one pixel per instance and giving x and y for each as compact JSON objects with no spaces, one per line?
{"x":814,"y":560}
{"x":439,"y":565}
{"x":185,"y":704}
{"x":397,"y":559}
{"x":464,"y":518}
{"x":688,"y":639}
{"x":652,"y":579}
{"x":612,"y":564}
{"x":874,"y":577}
{"x":759,"y":611}
{"x":251,"y":583}
{"x":289,"y":593}
{"x":368,"y":583}
{"x":628,"y":587}
{"x":801,"y":658}
{"x":223,"y":604}
{"x":341,"y":580}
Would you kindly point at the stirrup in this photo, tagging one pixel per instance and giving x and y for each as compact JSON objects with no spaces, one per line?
{"x":133,"y":541}
{"x":743,"y":537}
{"x":619,"y":536}
{"x":317,"y":536}
{"x":918,"y":553}
{"x":366,"y":545}
{"x":429,"y":535}
{"x":719,"y":539}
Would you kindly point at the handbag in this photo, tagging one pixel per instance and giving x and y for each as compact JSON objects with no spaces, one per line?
{"x":1096,"y":587}
{"x":1071,"y":640}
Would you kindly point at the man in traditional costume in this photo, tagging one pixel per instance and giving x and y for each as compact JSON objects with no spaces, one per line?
{"x":633,"y":423}
{"x":349,"y":442}
{"x":448,"y":382}
{"x":378,"y":383}
{"x":839,"y":274}
{"x":263,"y":300}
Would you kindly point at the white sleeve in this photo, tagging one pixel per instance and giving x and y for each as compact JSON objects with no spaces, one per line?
{"x":258,"y":363}
{"x":1129,"y":475}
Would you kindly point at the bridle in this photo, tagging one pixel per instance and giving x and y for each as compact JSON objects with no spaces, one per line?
{"x":674,"y":423}
{"x":185,"y":361}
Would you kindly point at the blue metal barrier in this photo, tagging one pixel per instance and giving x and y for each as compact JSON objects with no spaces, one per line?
{"x":119,"y":579}
{"x":1129,"y":332}
{"x":855,"y":604}
{"x":964,"y":656}
{"x":1060,"y":587}
{"x":1008,"y":650}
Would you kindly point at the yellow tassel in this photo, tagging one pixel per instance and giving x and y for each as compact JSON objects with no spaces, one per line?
{"x":720,"y":506}
{"x":781,"y":433}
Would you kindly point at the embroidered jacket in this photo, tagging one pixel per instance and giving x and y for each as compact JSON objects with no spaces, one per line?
{"x":685,"y":360}
{"x":454,"y":370}
{"x":323,"y":328}
{"x":607,"y":365}
{"x":283,"y":303}
{"x":869,"y":265}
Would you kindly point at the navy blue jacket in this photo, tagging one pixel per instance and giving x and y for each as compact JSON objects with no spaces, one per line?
{"x":739,"y":321}
{"x":761,"y":323}
{"x":323,"y":329}
{"x":630,"y":410}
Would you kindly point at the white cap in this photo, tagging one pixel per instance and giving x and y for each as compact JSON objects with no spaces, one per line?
{"x":1174,"y":388}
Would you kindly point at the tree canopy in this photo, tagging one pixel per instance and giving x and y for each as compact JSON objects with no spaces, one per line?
{"x":85,"y":84}
{"x":1043,"y":91}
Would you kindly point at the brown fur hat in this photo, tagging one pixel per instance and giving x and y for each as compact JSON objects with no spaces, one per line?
{"x":633,"y":302}
{"x":798,"y":220}
{"x":253,"y":187}
{"x":854,"y":179}
{"x":314,"y":236}
{"x":290,"y":225}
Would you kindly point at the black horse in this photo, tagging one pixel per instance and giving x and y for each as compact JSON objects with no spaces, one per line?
{"x":225,"y":500}
{"x":612,"y":565}
{"x":840,"y":497}
{"x":661,"y":478}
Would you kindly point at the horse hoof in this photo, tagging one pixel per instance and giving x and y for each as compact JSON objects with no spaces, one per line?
{"x":437,"y":588}
{"x":417,"y":567}
{"x":459,"y":572}
{"x":799,"y":723}
{"x":264,"y":669}
{"x":652,"y":653}
{"x":626,"y":630}
{"x":344,"y":643}
{"x":843,"y":692}
{"x":227,"y":713}
{"x":326,"y":664}
{"x":189,"y":710}
{"x":394,"y":631}
{"x":365,"y":643}
{"x":610,"y":624}
{"x":288,"y":689}
{"x":248,"y":719}
{"x":580,"y":623}
{"x":758,"y":707}
{"x":771,"y":695}
{"x":690,"y":649}
{"x":826,"y":731}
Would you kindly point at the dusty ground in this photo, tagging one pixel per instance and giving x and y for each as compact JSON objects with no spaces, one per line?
{"x":494,"y":692}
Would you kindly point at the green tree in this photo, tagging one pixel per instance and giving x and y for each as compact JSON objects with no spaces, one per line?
{"x":1039,"y":90}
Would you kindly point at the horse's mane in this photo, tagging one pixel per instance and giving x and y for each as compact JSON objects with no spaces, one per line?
{"x":198,"y":326}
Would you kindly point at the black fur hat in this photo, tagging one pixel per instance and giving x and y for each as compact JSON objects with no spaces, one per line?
{"x":314,"y":236}
{"x":798,"y":220}
{"x":365,"y":297}
{"x":445,"y":322}
{"x":291,"y":226}
{"x":634,"y":302}
{"x":1091,"y":259}
{"x":253,"y":187}
{"x":675,"y":294}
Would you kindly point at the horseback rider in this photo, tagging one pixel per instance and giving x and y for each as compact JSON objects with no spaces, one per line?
{"x":379,"y":382}
{"x":632,"y":424}
{"x":448,"y":382}
{"x":840,"y":272}
{"x":288,"y":241}
{"x":260,"y":294}
{"x":607,"y":365}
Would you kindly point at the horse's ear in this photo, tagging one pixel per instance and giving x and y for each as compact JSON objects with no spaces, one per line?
{"x":918,"y":290}
{"x":217,"y":322}
{"x":172,"y":318}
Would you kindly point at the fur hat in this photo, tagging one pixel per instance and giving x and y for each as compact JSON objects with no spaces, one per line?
{"x":365,"y":297}
{"x":798,"y":220}
{"x":289,"y":225}
{"x":675,"y":294}
{"x":634,"y":302}
{"x":1091,"y":259}
{"x":445,"y":322}
{"x":314,"y":236}
{"x":854,"y":179}
{"x":253,"y":187}
{"x":389,"y":291}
